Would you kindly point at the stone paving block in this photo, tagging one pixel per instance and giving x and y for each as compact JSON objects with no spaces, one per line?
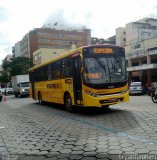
{"x":77,"y":148}
{"x":142,"y":151}
{"x":114,"y":147}
{"x":88,"y":149}
{"x":79,"y":152}
{"x":89,"y":158}
{"x":115,"y":151}
{"x":126,"y":145}
{"x":52,"y":158}
{"x":2,"y":144}
{"x":56,"y":149}
{"x":3,"y":149}
{"x":65,"y":151}
{"x":128,"y":149}
{"x":75,"y":157}
{"x":50,"y":130}
{"x":64,"y":155}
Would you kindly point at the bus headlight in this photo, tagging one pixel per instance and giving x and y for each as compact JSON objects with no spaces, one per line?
{"x":91,"y":93}
{"x":123,"y":92}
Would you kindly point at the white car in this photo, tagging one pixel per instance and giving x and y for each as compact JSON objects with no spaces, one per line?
{"x":3,"y":90}
{"x":8,"y":91}
{"x":137,"y":88}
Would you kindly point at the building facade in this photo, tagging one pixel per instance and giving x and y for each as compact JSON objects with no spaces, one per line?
{"x":8,"y":58}
{"x":16,"y":50}
{"x":53,"y":38}
{"x":110,"y":40}
{"x":140,"y":42}
{"x":45,"y":54}
{"x":25,"y":46}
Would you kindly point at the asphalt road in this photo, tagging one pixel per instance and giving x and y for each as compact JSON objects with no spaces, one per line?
{"x":29,"y":131}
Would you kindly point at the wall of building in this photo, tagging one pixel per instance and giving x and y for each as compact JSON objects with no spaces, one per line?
{"x":16,"y":50}
{"x":45,"y":54}
{"x":53,"y":38}
{"x":24,"y":46}
{"x":121,"y":36}
{"x":141,"y":48}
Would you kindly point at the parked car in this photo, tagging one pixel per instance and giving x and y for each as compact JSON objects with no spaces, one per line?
{"x":151,"y":88}
{"x":137,"y":88}
{"x":1,"y":95}
{"x":8,"y":91}
{"x":3,"y":90}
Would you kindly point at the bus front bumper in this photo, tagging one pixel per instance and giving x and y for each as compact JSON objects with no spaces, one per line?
{"x":101,"y":101}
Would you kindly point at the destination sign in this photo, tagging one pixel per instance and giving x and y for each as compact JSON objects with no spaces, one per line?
{"x":103,"y":50}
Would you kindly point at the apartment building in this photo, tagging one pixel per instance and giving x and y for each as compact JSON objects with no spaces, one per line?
{"x":45,"y":54}
{"x":140,"y":41}
{"x":25,"y":46}
{"x":110,"y":40}
{"x":7,"y":58}
{"x":53,"y":38}
{"x":16,"y":51}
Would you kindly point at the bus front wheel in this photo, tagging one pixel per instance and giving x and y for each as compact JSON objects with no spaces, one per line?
{"x":68,"y":103}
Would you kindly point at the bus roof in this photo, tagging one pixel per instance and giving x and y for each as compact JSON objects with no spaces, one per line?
{"x":69,"y":53}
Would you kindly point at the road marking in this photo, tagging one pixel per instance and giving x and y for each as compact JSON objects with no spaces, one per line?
{"x":2,"y":127}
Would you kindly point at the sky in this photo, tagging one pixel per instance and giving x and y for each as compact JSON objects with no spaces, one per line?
{"x":18,"y":17}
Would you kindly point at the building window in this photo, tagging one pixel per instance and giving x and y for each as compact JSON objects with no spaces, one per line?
{"x":137,"y":46}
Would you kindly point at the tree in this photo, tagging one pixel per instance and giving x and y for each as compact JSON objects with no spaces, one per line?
{"x":20,"y":65}
{"x":4,"y":77}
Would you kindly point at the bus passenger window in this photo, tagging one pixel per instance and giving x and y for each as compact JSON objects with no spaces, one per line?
{"x":55,"y":70}
{"x":66,"y":67}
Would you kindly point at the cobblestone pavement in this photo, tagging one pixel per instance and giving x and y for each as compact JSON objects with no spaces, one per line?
{"x":29,"y":131}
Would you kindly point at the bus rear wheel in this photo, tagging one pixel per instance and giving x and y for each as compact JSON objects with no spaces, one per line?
{"x":68,"y":103}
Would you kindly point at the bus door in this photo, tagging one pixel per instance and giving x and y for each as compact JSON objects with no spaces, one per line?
{"x":77,"y":81}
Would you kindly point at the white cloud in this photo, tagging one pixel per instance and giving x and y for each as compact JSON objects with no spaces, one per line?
{"x":102,"y":16}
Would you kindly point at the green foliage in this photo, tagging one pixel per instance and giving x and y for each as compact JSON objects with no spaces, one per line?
{"x":18,"y":65}
{"x":4,"y":77}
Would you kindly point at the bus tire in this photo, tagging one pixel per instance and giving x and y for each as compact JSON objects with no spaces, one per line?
{"x":68,"y":103}
{"x":40,"y":98}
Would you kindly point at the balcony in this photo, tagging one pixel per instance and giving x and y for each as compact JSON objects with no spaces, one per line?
{"x":136,"y":54}
{"x":142,"y":67}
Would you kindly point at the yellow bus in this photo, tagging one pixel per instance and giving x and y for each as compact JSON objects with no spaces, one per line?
{"x":89,"y":76}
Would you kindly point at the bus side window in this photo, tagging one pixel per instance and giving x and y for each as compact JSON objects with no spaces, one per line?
{"x":66,"y":67}
{"x":55,"y":70}
{"x":49,"y":73}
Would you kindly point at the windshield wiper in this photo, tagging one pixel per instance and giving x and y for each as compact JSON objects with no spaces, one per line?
{"x":100,"y":63}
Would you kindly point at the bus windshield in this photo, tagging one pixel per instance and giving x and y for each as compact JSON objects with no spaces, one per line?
{"x":104,"y":69}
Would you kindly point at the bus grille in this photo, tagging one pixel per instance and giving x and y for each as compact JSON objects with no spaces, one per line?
{"x":109,"y":93}
{"x":110,"y":100}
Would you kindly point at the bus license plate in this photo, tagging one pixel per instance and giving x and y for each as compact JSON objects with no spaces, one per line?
{"x":112,"y":100}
